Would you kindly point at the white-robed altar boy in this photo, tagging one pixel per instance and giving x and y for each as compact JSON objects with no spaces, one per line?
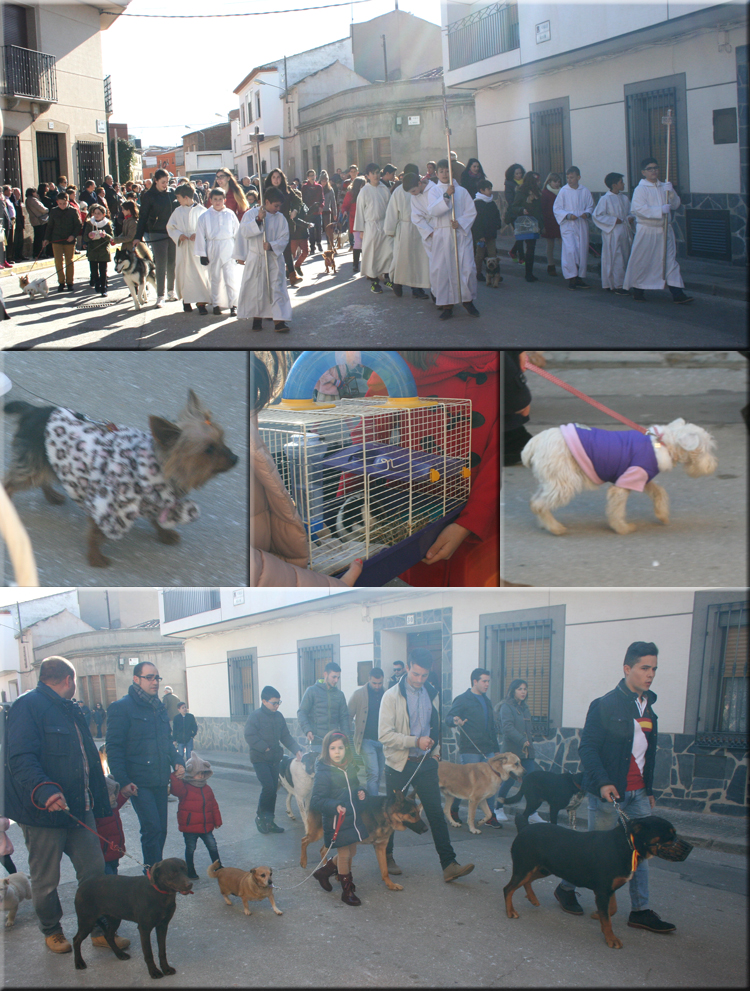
{"x":191,"y":279}
{"x":612,"y":216}
{"x":574,"y":204}
{"x":259,"y":247}
{"x":214,"y":245}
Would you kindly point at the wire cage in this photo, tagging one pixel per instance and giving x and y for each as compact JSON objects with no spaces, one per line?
{"x":369,"y":478}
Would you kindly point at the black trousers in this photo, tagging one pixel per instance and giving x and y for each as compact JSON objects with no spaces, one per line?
{"x":8,"y":864}
{"x":268,"y":776}
{"x":99,"y":275}
{"x":529,"y":258}
{"x":425,"y":783}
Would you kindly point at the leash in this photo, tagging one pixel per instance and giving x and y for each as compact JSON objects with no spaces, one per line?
{"x":587,"y":399}
{"x":340,"y":819}
{"x":624,"y":820}
{"x":403,"y":790}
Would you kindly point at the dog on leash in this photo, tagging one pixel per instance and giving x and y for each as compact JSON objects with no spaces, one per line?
{"x":138,"y":273}
{"x":568,"y":459}
{"x":13,"y":890}
{"x":341,"y":240}
{"x":36,"y":287}
{"x":116,"y":474}
{"x":253,"y":886}
{"x":330,"y":261}
{"x":475,"y":782}
{"x":297,"y":778}
{"x":560,"y":791}
{"x":493,"y":277}
{"x":330,"y":232}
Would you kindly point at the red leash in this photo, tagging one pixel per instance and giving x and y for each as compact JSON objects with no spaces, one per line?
{"x":585,"y":398}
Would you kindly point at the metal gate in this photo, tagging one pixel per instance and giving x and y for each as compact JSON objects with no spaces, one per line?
{"x":522,"y":650}
{"x":708,"y":234}
{"x":547,"y":147}
{"x":48,"y":157}
{"x":90,"y":162}
{"x":648,"y":136}
{"x":10,"y":161}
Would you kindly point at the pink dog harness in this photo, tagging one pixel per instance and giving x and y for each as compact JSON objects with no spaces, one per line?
{"x":624,"y":457}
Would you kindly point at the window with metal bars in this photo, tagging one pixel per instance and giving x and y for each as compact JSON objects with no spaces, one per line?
{"x":724,"y":681}
{"x":489,"y":31}
{"x":312,"y":657}
{"x":522,"y":650}
{"x":550,"y":136}
{"x":243,"y":678}
{"x":182,"y":602}
{"x":646,"y":104}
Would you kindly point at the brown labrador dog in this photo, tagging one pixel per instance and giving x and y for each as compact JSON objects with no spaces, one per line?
{"x":149,"y":900}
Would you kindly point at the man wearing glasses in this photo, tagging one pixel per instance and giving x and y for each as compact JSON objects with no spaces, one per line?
{"x":140,"y":754}
{"x":265,"y":731}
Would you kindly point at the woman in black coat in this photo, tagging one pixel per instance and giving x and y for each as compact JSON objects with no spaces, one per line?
{"x":513,"y":177}
{"x":336,"y":793}
{"x":471,"y":176}
{"x":99,"y":716}
{"x":528,"y":203}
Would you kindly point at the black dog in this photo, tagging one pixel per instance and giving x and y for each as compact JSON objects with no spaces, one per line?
{"x":602,"y":860}
{"x":147,"y":900}
{"x":556,"y":789}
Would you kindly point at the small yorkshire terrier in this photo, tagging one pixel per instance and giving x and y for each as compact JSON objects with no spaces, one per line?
{"x":330,"y":262}
{"x":115,"y":473}
{"x":37,"y":287}
{"x":493,"y":273}
{"x":568,"y":459}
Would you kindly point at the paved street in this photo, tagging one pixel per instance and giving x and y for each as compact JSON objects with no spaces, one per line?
{"x":431,"y":934}
{"x":338,"y":311}
{"x":705,"y":543}
{"x":126,"y":389}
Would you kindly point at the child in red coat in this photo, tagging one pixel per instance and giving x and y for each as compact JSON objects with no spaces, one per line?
{"x":111,"y":828}
{"x":198,"y":812}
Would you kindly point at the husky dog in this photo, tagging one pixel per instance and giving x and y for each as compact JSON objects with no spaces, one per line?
{"x":137,"y":272}
{"x":566,"y":460}
{"x":38,"y":287}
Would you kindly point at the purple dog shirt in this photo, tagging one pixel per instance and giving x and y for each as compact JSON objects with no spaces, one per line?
{"x":624,"y":457}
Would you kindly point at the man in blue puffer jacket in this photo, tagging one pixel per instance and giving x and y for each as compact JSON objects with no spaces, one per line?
{"x":140,"y":754}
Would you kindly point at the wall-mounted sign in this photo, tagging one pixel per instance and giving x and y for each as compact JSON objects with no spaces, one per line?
{"x":543,"y":32}
{"x":413,"y":120}
{"x":238,"y":597}
{"x":101,"y":127}
{"x":132,"y":661}
{"x":51,"y":125}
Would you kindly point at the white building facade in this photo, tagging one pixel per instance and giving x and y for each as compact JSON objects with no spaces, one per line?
{"x":568,"y":645}
{"x":588,"y":84}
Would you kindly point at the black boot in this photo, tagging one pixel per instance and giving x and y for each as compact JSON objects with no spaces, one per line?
{"x":272,"y":827}
{"x":261,"y":824}
{"x":347,"y":894}
{"x":356,"y":255}
{"x":323,"y":874}
{"x":455,"y":807}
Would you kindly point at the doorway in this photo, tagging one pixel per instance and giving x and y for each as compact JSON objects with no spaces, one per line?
{"x":48,"y":157}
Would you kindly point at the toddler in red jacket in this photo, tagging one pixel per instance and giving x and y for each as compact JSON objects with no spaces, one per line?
{"x":111,"y":828}
{"x":198,"y":811}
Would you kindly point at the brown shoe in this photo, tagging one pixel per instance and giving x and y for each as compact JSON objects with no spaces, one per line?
{"x":293,"y":279}
{"x":323,"y":874}
{"x":347,"y":894}
{"x":454,"y":870}
{"x":58,"y":943}
{"x":298,"y":270}
{"x":121,"y":941}
{"x":551,"y":270}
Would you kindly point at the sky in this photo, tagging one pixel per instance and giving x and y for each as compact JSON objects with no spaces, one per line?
{"x":170,"y":77}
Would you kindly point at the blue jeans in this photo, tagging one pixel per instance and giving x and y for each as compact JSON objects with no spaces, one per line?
{"x":602,"y":815}
{"x":150,"y":806}
{"x":468,"y":759}
{"x":191,"y":841}
{"x":528,"y":766}
{"x":110,"y":866}
{"x":184,"y":750}
{"x":372,"y":752}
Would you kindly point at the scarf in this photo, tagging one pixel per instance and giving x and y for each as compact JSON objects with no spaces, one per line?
{"x":145,"y":697}
{"x":483,"y":198}
{"x":98,"y":223}
{"x":554,"y":191}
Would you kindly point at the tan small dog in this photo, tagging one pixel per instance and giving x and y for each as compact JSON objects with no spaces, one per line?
{"x":475,"y":782}
{"x":250,"y":886}
{"x":330,"y":232}
{"x":13,"y":890}
{"x":341,"y":240}
{"x":330,"y":262}
{"x":493,"y":273}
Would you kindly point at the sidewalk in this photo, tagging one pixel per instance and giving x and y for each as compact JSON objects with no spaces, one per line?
{"x":645,"y":359}
{"x":713,"y":278}
{"x":727,"y":834}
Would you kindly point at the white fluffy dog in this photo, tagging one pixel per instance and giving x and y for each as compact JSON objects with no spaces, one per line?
{"x":37,"y":287}
{"x":562,"y":477}
{"x":13,"y":890}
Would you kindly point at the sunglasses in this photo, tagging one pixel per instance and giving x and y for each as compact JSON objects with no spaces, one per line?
{"x":275,"y":702}
{"x":150,"y":677}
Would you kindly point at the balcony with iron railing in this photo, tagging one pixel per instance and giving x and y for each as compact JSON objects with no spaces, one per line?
{"x":179,"y":603}
{"x":29,"y":74}
{"x":482,"y":34}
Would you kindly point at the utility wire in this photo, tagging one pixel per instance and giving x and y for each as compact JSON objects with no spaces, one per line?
{"x":253,"y":13}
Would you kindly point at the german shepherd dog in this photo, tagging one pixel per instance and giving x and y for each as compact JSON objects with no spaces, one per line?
{"x":602,"y":860}
{"x":381,"y":816}
{"x":297,"y":778}
{"x":138,"y":272}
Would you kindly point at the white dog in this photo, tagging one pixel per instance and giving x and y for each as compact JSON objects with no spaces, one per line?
{"x":297,"y":778}
{"x":13,"y":889}
{"x":36,"y":288}
{"x":566,"y":460}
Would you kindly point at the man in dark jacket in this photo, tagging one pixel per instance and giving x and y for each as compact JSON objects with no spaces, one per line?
{"x":312,"y":197}
{"x":485,"y":227}
{"x":618,"y":753}
{"x":323,"y":708}
{"x":63,"y":227}
{"x":265,"y":732}
{"x":184,"y":730}
{"x":473,"y":719}
{"x":110,"y":195}
{"x":51,"y":761}
{"x":88,"y":193}
{"x":156,"y":207}
{"x":140,"y":754}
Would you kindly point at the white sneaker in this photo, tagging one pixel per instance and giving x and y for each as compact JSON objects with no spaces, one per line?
{"x":500,"y":814}
{"x":159,"y":302}
{"x":172,"y":297}
{"x":536,"y":818}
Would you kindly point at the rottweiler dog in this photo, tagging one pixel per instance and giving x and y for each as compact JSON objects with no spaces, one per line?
{"x":148,"y":900}
{"x":602,"y":860}
{"x":559,"y":790}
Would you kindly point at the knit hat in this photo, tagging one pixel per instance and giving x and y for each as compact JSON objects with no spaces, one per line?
{"x":196,"y":765}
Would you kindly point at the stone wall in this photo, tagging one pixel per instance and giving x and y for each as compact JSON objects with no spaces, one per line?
{"x":223,"y":733}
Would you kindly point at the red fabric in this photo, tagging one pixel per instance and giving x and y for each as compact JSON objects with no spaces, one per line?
{"x":111,"y":828}
{"x":635,"y":778}
{"x":231,"y":204}
{"x":198,"y":810}
{"x":551,"y":226}
{"x":350,"y":206}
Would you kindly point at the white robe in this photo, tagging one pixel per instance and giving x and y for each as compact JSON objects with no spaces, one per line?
{"x":616,"y":238}
{"x":214,"y":237}
{"x":646,"y":264}
{"x":377,"y":249}
{"x":191,"y":278}
{"x":410,"y":266}
{"x":574,"y":233}
{"x":443,"y":274}
{"x":254,"y":299}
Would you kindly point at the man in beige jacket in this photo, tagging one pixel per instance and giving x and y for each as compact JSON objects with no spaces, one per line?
{"x":364,"y":708}
{"x":409,"y":730}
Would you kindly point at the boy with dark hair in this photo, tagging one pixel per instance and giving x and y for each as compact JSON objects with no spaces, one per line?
{"x":323,"y":708}
{"x":388,"y":175}
{"x":443,"y":243}
{"x":410,"y":265}
{"x":215,"y":235}
{"x":63,"y":227}
{"x":259,"y":246}
{"x":485,"y":227}
{"x":313,"y":197}
{"x":573,"y":206}
{"x":267,"y":734}
{"x":190,"y":275}
{"x":377,"y":247}
{"x":611,"y":216}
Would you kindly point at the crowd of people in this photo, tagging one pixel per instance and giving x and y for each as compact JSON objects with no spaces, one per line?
{"x":433,"y":231}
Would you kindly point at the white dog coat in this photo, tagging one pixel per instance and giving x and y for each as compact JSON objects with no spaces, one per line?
{"x":113,"y":475}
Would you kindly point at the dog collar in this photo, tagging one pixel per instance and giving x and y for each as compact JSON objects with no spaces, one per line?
{"x":658,"y":437}
{"x":148,"y":875}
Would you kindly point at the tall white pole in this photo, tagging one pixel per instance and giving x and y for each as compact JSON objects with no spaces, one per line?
{"x":667,"y":121}
{"x":450,"y":180}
